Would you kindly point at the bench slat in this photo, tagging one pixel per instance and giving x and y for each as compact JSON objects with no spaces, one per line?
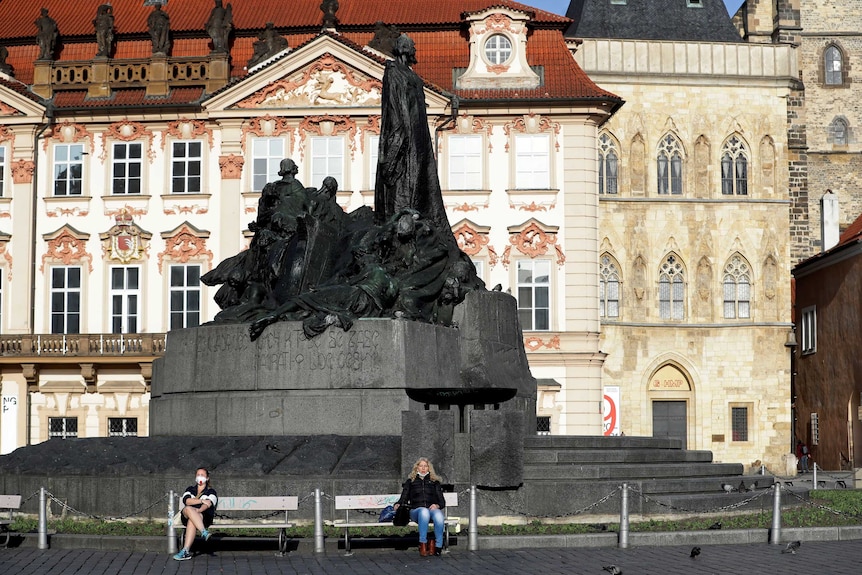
{"x":285,"y":503}
{"x":380,"y":501}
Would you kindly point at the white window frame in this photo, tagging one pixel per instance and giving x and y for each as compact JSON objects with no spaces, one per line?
{"x":4,"y":169}
{"x":327,"y":159}
{"x":498,"y":49}
{"x":65,"y":425}
{"x":183,"y":290}
{"x":530,"y":314}
{"x":125,"y":183}
{"x":266,"y":157}
{"x":532,"y":161}
{"x":70,"y":295}
{"x":808,"y":330}
{"x":465,"y":161}
{"x":373,"y":156}
{"x":128,"y":298}
{"x":67,"y":157}
{"x":183,"y":183}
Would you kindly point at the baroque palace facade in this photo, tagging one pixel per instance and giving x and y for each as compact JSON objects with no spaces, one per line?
{"x":132,"y":159}
{"x":694,"y":225}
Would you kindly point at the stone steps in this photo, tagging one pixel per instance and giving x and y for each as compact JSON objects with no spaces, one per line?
{"x":628,"y":471}
{"x":628,"y":455}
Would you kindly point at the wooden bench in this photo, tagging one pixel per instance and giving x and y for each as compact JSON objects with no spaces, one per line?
{"x":12,"y":503}
{"x":348,"y":503}
{"x":251,"y":504}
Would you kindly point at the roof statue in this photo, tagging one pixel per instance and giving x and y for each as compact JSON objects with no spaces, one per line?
{"x":329,"y":8}
{"x":159,"y":27}
{"x":47,"y":35}
{"x":384,"y":38}
{"x":219,"y":25}
{"x":5,"y":67}
{"x":104,"y":25}
{"x":269,"y":43}
{"x":310,"y":261}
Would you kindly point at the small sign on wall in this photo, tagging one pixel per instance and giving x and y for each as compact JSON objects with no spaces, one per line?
{"x":611,"y":423}
{"x":8,"y":424}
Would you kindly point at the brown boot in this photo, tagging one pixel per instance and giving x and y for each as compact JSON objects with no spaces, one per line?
{"x":423,"y":549}
{"x":432,"y":548}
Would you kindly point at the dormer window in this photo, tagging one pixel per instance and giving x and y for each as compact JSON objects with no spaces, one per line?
{"x":498,"y":49}
{"x":695,"y":3}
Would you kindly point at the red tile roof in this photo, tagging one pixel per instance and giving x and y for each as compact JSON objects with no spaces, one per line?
{"x":130,"y":16}
{"x":126,"y":98}
{"x":437,"y":28}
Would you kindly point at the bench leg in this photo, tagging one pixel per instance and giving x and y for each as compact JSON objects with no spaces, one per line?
{"x":282,"y":541}
{"x":347,"y":542}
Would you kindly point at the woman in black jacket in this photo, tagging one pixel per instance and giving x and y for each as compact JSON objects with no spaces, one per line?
{"x":423,"y":492}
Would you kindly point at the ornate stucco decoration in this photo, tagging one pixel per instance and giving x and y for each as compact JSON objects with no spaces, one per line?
{"x":534,"y":343}
{"x":372,"y":126}
{"x":4,"y":240}
{"x":7,"y":110}
{"x":532,"y":123}
{"x":326,"y":82}
{"x":184,"y":244}
{"x":327,"y":126}
{"x":68,"y":133}
{"x":66,"y":246}
{"x":127,"y":131}
{"x":533,"y":239}
{"x":7,"y":135}
{"x":265,"y":127}
{"x":125,"y":241}
{"x":471,"y":237}
{"x":498,"y":51}
{"x":22,"y":171}
{"x":185,"y":129}
{"x":231,"y":166}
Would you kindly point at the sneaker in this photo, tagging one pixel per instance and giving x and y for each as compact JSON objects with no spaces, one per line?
{"x":206,"y":534}
{"x":183,"y":555}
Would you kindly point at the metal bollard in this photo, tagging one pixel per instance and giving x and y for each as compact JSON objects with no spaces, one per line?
{"x":624,"y":517}
{"x":172,"y":533}
{"x":473,"y":529}
{"x":815,"y":476}
{"x":775,"y":532}
{"x":318,"y":521}
{"x":43,"y":518}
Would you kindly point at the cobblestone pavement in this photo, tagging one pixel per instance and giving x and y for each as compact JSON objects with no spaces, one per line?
{"x":820,"y":558}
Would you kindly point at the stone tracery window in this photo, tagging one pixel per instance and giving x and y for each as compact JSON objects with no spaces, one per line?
{"x":609,"y":286}
{"x":737,"y":288}
{"x":671,"y":288}
{"x":669,"y":165}
{"x":608,"y":165}
{"x":734,"y":167}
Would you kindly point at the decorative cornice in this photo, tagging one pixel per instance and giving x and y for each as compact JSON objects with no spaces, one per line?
{"x":68,"y":132}
{"x":265,"y":127}
{"x":128,"y":131}
{"x":185,"y":129}
{"x":314,"y":125}
{"x":184,"y":246}
{"x":470,"y":240}
{"x":532,"y":123}
{"x":66,"y":248}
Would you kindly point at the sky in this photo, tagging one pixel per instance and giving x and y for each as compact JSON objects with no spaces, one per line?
{"x":560,"y":6}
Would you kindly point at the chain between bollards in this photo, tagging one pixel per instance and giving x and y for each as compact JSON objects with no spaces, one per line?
{"x":775,"y":532}
{"x":172,"y":533}
{"x":43,"y":518}
{"x":624,"y":517}
{"x":318,"y":521}
{"x":473,"y":529}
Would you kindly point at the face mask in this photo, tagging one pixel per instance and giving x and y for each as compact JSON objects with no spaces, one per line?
{"x":201,"y":479}
{"x":422,"y":475}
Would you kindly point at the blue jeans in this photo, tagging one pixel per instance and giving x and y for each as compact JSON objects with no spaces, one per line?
{"x":422,"y":516}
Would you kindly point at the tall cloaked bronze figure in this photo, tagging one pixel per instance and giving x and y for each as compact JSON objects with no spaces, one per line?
{"x":406,"y":166}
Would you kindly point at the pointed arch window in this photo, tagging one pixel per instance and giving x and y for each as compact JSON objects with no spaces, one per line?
{"x":838,"y":130}
{"x":608,"y":165}
{"x":671,"y":289}
{"x":737,"y":288}
{"x":734,"y":168}
{"x":609,"y":286}
{"x":669,"y":164}
{"x":833,"y":66}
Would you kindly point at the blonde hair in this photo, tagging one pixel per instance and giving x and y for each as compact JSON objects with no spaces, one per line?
{"x":431,"y":472}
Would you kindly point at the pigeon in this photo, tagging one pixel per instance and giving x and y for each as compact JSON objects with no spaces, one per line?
{"x":695,"y":551}
{"x":273,"y":447}
{"x":613,"y":569}
{"x":498,"y":287}
{"x":598,"y":526}
{"x":728,"y":488}
{"x":792,"y":547}
{"x":716,"y":525}
{"x":742,"y":488}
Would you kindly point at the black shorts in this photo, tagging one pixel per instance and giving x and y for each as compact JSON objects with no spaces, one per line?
{"x":208,"y":516}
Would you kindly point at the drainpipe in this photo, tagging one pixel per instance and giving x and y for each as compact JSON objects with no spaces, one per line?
{"x":34,"y":239}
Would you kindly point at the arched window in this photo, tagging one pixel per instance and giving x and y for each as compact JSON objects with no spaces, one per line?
{"x":669,"y":163}
{"x":734,"y":167}
{"x":671,"y":288}
{"x":609,"y":286}
{"x":838,"y":132}
{"x":832,"y":66}
{"x":608,"y":165}
{"x":737,"y":288}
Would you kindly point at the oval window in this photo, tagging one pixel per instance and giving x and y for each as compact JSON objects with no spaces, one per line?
{"x":498,"y":49}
